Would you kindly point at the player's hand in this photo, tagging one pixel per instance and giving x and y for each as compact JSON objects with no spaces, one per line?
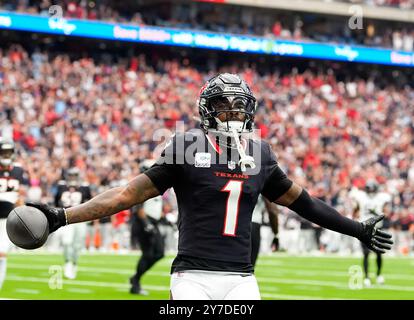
{"x":55,"y":216}
{"x":375,"y":239}
{"x":275,"y":244}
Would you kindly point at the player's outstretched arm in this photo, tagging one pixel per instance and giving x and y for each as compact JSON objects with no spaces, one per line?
{"x":317,"y":211}
{"x":105,"y":204}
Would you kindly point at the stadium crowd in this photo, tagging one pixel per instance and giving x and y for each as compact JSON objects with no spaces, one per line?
{"x":329,"y":134}
{"x":231,"y":19}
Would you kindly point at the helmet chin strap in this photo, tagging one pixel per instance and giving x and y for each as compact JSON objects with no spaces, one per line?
{"x":245,"y":160}
{"x":234,"y":129}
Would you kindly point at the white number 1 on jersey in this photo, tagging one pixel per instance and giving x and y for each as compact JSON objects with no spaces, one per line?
{"x":234,"y":188}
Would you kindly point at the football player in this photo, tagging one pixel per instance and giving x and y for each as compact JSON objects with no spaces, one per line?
{"x":370,"y":203}
{"x":263,"y":205}
{"x":71,"y":192}
{"x":12,"y":191}
{"x":149,"y":236}
{"x":217,"y":176}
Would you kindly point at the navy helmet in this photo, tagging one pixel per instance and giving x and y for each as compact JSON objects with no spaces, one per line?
{"x":226,"y":93}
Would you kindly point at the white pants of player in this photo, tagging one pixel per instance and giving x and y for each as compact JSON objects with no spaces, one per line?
{"x":212,"y":285}
{"x":307,"y":241}
{"x":289,"y":240}
{"x":73,"y":240}
{"x":403,"y":241}
{"x":171,"y":238}
{"x":107,"y":236}
{"x":5,"y":246}
{"x":121,"y":235}
{"x":5,"y":243}
{"x":266,"y":235}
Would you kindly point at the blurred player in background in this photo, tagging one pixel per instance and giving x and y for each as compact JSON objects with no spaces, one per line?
{"x":263,"y":205}
{"x":150,"y":239}
{"x":12,"y":190}
{"x":369,"y":203}
{"x":71,"y":192}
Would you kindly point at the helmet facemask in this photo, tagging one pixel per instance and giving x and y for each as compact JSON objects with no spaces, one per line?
{"x":73,"y":177}
{"x":226,"y":113}
{"x":231,"y":113}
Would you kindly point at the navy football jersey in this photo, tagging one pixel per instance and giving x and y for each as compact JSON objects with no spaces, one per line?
{"x":11,"y":179}
{"x":69,"y":196}
{"x":215,"y":198}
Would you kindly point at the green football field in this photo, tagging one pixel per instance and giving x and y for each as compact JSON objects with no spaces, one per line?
{"x":280,"y":276}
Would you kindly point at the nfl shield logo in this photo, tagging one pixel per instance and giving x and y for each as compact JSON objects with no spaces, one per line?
{"x":231,"y":165}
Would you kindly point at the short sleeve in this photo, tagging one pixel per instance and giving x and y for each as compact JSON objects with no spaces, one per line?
{"x":276,"y":182}
{"x":165,"y":173}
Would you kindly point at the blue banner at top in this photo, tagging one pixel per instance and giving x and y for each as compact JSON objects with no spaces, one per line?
{"x":202,"y":39}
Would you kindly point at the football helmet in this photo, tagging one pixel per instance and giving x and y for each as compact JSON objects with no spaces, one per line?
{"x":371,"y":187}
{"x":73,"y":177}
{"x":227,"y":94}
{"x":6,"y":152}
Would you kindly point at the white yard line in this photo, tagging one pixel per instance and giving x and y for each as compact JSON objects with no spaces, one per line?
{"x":323,"y":272}
{"x":85,"y":283}
{"x":79,"y":290}
{"x":271,"y":275}
{"x":298,"y":297}
{"x":27,"y":291}
{"x":302,"y":282}
{"x":120,"y":287}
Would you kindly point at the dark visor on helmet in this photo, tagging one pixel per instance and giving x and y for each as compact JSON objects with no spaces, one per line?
{"x":6,"y":153}
{"x":231,"y":103}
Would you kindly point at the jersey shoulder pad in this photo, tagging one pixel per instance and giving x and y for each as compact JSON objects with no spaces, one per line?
{"x":195,"y":133}
{"x":17,"y":168}
{"x":266,"y":151}
{"x":386,"y":197}
{"x":177,"y":144}
{"x":61,"y":183}
{"x":264,"y":145}
{"x":18,"y":173}
{"x":188,"y":137}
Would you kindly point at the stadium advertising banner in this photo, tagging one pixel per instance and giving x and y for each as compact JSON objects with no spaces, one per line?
{"x":203,"y":39}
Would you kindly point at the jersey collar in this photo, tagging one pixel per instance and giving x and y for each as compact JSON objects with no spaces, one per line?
{"x":214,"y":144}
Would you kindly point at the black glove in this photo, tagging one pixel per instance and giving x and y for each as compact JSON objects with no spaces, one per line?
{"x":275,"y":244}
{"x":55,"y":216}
{"x":375,"y":239}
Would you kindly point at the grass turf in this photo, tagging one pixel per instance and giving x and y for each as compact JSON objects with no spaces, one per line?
{"x":105,"y":276}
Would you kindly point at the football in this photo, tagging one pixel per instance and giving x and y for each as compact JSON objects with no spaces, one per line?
{"x":27,"y":227}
